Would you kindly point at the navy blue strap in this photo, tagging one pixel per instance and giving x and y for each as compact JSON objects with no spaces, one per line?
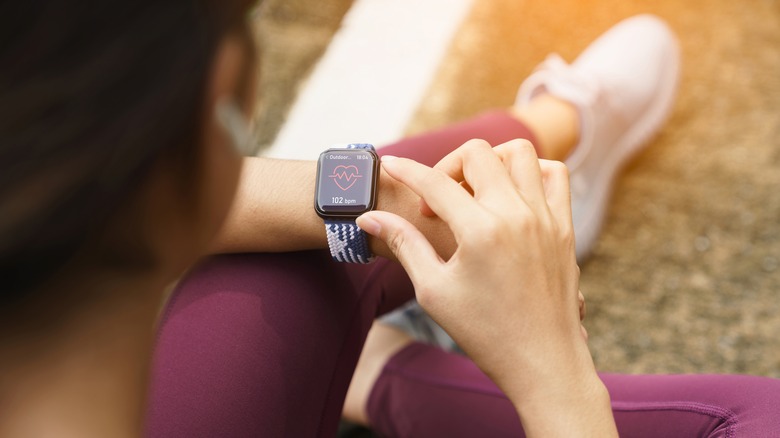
{"x":347,"y":242}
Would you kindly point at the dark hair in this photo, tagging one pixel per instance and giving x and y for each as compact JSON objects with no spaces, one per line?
{"x":92,"y":94}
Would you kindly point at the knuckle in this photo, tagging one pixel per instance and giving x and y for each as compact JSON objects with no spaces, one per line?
{"x":396,"y":240}
{"x":560,"y":169}
{"x":517,"y":148}
{"x":555,"y":170}
{"x":475,"y":146}
{"x":554,"y":167}
{"x":523,"y":146}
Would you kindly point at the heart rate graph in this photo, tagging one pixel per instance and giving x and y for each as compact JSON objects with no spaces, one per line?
{"x":345,"y":176}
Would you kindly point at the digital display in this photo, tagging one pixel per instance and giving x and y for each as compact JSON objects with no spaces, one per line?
{"x":345,"y":182}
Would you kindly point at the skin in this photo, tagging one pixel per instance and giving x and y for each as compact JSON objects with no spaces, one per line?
{"x":533,"y":347}
{"x":89,"y":378}
{"x":555,"y":123}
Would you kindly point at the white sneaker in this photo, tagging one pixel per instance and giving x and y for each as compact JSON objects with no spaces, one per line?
{"x":624,"y":85}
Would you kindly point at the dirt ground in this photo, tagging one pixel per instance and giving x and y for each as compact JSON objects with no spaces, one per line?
{"x":686,"y":275}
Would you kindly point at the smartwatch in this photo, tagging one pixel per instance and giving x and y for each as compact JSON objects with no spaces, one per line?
{"x":346,"y":188}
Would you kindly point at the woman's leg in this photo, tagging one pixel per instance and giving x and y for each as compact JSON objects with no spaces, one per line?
{"x":425,"y":391}
{"x":549,"y":123}
{"x":694,"y":405}
{"x":264,"y":344}
{"x":495,"y":127}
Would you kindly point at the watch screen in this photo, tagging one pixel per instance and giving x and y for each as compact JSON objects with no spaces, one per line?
{"x":345,"y":182}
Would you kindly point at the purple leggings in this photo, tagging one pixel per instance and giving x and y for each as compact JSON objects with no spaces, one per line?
{"x":265,"y":345}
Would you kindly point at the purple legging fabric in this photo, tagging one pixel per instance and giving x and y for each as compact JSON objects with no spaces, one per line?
{"x":265,"y":345}
{"x":425,"y":391}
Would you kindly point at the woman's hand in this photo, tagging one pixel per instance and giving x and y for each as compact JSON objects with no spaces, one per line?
{"x":509,"y":293}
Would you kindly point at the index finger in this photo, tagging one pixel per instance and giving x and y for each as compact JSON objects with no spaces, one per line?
{"x":446,"y":197}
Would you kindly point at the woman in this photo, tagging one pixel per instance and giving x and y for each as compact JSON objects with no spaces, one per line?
{"x":120,"y":171}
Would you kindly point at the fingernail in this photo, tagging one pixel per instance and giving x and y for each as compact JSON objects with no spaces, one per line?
{"x":388,"y":157}
{"x":369,"y":225}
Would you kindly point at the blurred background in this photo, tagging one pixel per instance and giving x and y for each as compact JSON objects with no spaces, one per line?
{"x":686,"y":275}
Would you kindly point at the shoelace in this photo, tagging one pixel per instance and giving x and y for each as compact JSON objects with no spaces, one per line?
{"x":579,"y":88}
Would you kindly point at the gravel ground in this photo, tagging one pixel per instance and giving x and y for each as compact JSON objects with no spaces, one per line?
{"x":686,"y":273}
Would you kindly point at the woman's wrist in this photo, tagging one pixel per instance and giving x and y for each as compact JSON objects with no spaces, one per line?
{"x":582,"y":410}
{"x":567,"y":400}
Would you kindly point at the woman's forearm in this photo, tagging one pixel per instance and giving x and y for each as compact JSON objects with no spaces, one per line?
{"x":273,"y":211}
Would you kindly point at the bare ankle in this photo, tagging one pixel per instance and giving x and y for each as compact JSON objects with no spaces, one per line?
{"x":382,"y":343}
{"x":554,"y":122}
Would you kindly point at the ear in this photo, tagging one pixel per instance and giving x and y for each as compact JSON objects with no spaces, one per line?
{"x":230,"y":80}
{"x":231,"y":76}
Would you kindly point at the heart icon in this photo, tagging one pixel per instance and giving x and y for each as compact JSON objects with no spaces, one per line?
{"x":345,"y":176}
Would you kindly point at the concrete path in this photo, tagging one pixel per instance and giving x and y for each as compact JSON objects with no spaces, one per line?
{"x":370,"y":80}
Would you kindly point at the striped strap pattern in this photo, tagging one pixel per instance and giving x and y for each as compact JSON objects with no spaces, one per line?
{"x":347,"y":242}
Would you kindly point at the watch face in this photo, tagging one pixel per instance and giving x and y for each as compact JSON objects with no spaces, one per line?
{"x":345,"y":182}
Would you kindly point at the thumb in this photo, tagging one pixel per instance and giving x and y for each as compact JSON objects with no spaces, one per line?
{"x":408,"y":244}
